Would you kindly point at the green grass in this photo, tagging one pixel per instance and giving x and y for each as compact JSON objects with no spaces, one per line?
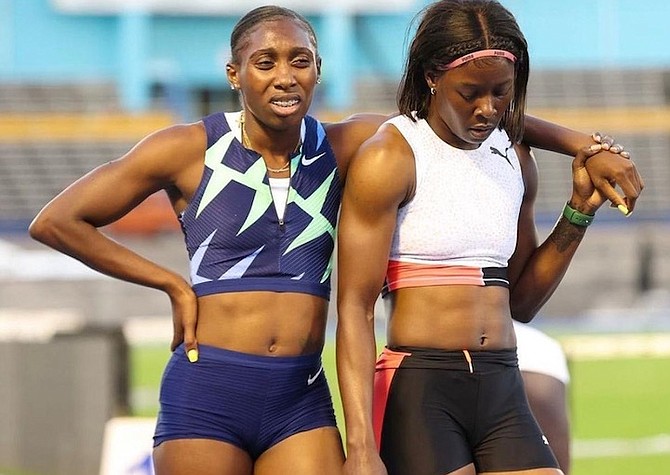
{"x":622,"y":398}
{"x":146,"y":369}
{"x":643,"y":465}
{"x":147,"y":364}
{"x":11,"y":471}
{"x":609,"y":399}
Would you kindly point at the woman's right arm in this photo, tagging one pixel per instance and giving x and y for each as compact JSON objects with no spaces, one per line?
{"x":376,"y":185}
{"x":70,"y":222}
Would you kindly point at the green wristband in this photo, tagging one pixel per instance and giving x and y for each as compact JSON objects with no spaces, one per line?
{"x":575,"y":217}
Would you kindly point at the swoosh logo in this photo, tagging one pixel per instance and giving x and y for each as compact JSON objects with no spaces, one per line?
{"x":308,"y":161}
{"x":311,"y":379}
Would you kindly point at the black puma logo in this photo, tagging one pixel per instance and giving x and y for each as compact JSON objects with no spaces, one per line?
{"x":495,"y":151}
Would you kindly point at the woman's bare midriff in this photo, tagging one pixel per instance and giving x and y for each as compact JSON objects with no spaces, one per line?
{"x":457,"y":317}
{"x":263,"y":323}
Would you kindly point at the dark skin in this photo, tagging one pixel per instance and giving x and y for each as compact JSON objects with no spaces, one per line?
{"x":547,"y":398}
{"x":277,"y":94}
{"x":463,"y":112}
{"x":276,"y":74}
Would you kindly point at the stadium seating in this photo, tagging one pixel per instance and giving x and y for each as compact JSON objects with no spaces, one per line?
{"x":52,"y":134}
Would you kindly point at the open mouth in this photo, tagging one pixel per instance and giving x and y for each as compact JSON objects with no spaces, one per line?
{"x":285,"y":106}
{"x":286,"y":103}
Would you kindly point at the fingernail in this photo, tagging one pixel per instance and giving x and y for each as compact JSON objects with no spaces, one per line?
{"x":595,"y":147}
{"x":623,"y":209}
{"x":192,"y":355}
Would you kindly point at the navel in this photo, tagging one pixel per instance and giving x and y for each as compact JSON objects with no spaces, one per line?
{"x":272,"y":347}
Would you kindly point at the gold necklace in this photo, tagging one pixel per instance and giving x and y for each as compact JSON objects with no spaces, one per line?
{"x":279,"y":170}
{"x":247,"y":144}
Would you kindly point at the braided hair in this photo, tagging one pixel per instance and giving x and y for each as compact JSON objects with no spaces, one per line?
{"x":450,"y":29}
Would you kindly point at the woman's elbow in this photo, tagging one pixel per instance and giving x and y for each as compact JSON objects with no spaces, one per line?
{"x":523,"y":318}
{"x":522,"y":312}
{"x":37,"y":228}
{"x":43,"y":227}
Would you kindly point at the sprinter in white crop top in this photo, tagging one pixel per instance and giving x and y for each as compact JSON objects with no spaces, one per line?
{"x":459,"y":227}
{"x":437,"y":206}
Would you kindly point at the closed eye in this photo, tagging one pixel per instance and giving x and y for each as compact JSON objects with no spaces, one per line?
{"x":467,"y":96}
{"x":265,"y":64}
{"x":302,"y":63}
{"x":503,"y":92}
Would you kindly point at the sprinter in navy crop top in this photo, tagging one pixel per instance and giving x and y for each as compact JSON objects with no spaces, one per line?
{"x":235,"y":240}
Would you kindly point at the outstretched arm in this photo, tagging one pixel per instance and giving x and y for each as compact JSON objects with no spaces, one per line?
{"x":546,"y":135}
{"x":608,"y":168}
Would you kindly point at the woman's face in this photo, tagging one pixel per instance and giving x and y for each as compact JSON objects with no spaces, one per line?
{"x":470,"y":101}
{"x":276,"y":73}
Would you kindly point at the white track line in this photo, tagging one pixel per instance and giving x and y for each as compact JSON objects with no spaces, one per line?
{"x":598,"y":448}
{"x":630,"y":345}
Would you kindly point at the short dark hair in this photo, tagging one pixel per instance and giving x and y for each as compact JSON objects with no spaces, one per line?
{"x":449,"y":29}
{"x":261,"y":15}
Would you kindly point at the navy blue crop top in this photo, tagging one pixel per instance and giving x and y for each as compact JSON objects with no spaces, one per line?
{"x":234,"y":238}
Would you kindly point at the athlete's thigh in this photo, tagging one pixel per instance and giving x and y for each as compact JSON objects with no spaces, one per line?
{"x":201,"y":457}
{"x":316,"y":451}
{"x":423,"y":430}
{"x":547,"y":399}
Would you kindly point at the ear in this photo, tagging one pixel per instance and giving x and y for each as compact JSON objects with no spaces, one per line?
{"x":233,"y":79}
{"x":431,"y":79}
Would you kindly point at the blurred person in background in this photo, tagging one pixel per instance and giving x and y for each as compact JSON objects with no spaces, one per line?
{"x":257,"y":193}
{"x":544,"y":368}
{"x":438,"y":214}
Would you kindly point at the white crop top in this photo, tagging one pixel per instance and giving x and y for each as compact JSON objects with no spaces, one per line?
{"x":461,"y":225}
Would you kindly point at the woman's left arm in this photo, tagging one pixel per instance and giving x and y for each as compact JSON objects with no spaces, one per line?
{"x":535,"y":271}
{"x":539,"y":133}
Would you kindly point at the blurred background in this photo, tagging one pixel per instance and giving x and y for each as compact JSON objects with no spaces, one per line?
{"x":81,"y":81}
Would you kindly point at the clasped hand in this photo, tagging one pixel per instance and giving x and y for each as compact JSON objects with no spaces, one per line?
{"x":598,"y":169}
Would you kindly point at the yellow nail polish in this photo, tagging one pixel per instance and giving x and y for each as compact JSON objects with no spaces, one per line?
{"x":192,"y":355}
{"x":623,"y":209}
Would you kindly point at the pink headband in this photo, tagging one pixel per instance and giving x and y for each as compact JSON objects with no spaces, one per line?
{"x":479,"y":54}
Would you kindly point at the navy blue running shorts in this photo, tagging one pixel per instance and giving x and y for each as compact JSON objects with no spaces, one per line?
{"x":250,"y":401}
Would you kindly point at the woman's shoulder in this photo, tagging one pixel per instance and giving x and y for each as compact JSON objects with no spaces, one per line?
{"x":345,"y":136}
{"x":180,"y":138}
{"x":386,"y":154}
{"x":169,"y":149}
{"x":354,"y":129}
